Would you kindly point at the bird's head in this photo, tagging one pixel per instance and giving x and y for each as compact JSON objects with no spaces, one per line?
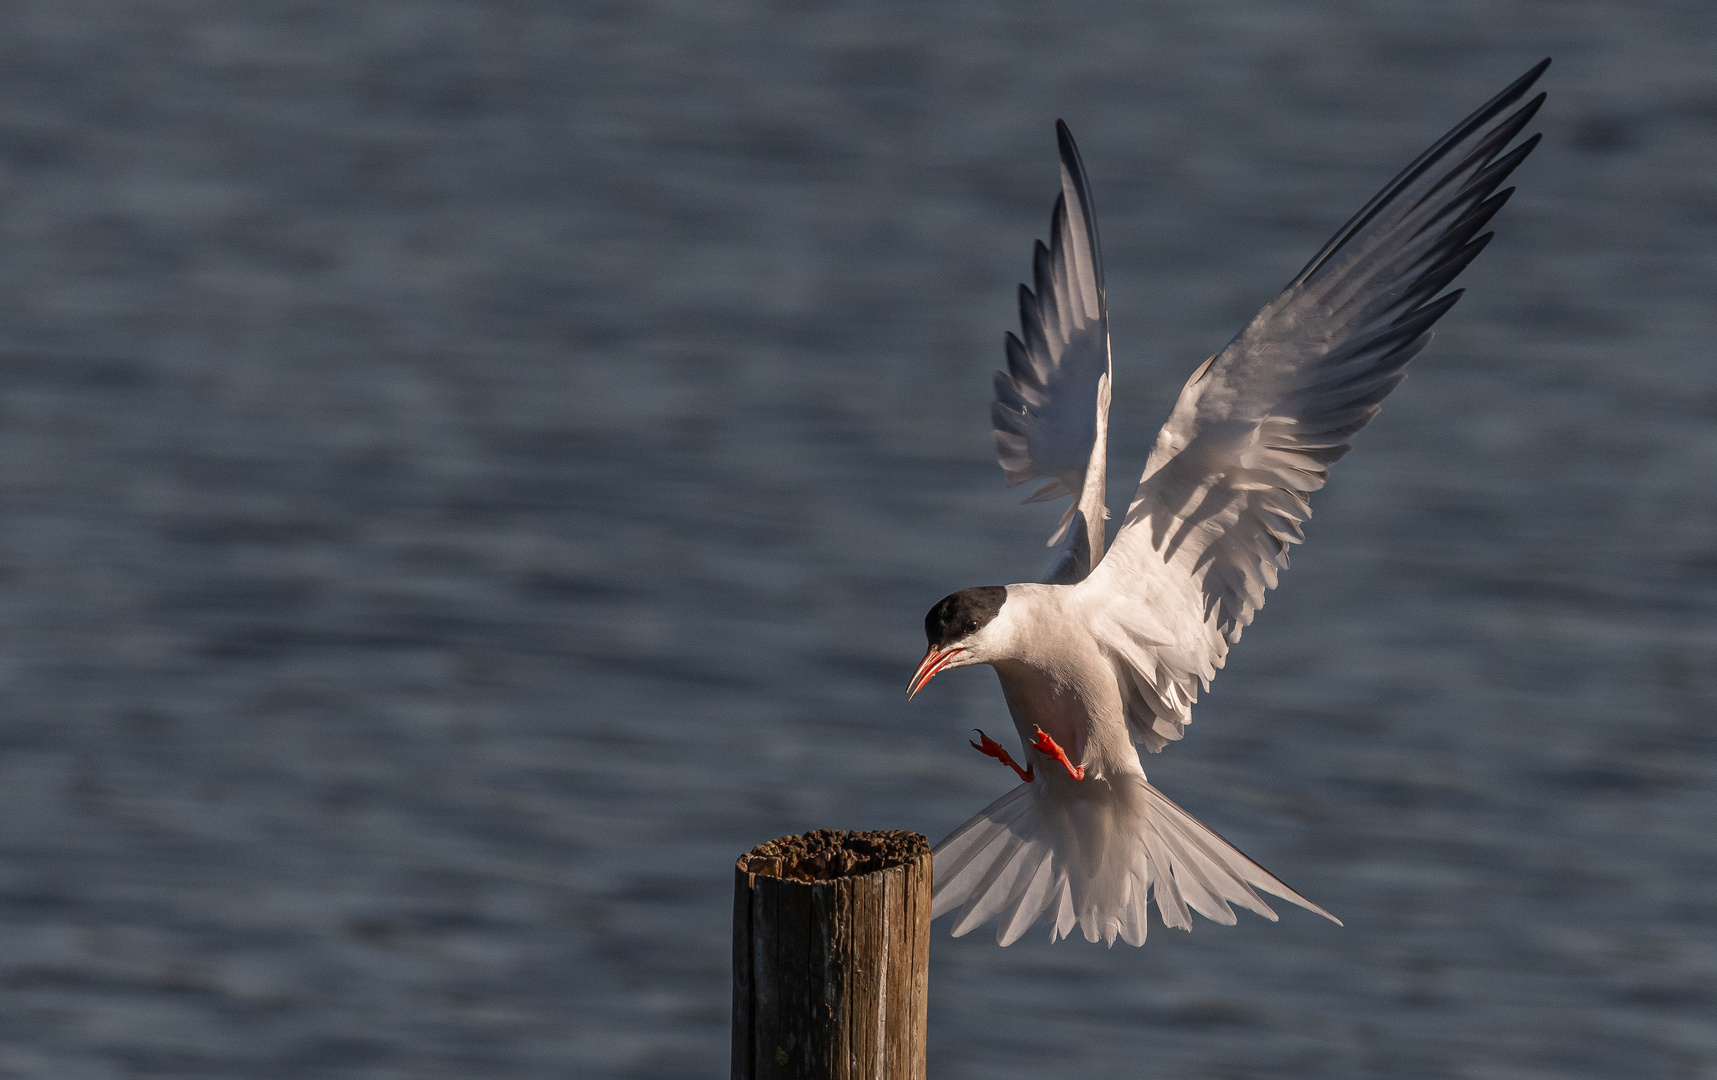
{"x":961,"y":630}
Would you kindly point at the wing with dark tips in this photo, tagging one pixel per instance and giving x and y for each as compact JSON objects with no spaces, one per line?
{"x":1226,"y":489}
{"x":1052,"y":402}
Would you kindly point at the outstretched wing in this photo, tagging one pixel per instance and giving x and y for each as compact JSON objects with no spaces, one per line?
{"x":1052,"y":403}
{"x":1225,"y":489}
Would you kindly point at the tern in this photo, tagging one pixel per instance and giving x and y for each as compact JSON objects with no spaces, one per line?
{"x":1110,"y":650}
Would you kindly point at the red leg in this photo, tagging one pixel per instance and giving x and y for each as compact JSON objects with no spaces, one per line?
{"x":1048,"y":747}
{"x":994,"y":749}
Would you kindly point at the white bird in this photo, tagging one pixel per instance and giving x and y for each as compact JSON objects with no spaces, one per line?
{"x":1110,"y":652}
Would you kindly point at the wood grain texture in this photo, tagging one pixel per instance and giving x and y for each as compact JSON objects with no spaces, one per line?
{"x":831,"y":945}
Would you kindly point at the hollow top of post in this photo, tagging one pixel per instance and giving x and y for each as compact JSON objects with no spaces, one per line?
{"x":828,"y":854}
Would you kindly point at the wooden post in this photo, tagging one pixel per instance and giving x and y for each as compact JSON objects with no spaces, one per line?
{"x":831,"y":957}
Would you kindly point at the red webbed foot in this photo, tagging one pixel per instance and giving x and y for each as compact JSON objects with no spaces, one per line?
{"x":1043,"y":744}
{"x":994,"y":749}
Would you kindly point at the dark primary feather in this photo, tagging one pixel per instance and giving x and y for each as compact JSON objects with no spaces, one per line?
{"x":1439,"y":149}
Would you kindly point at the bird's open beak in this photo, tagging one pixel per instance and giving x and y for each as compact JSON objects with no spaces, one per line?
{"x":934,"y":660}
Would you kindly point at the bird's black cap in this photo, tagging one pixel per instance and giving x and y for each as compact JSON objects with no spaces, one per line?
{"x":955,"y":616}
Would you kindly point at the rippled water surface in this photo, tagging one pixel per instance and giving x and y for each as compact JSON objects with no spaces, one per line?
{"x":467,"y":471}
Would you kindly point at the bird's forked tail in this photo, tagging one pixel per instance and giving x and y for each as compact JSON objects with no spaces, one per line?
{"x":1093,"y":856}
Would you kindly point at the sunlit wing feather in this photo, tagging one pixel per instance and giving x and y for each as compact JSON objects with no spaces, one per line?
{"x":1225,"y":491}
{"x":1052,"y":402}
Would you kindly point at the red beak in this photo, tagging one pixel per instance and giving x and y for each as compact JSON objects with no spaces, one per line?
{"x":933,"y":662}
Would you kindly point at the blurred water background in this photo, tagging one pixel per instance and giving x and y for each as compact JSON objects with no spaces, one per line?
{"x":468,"y":470}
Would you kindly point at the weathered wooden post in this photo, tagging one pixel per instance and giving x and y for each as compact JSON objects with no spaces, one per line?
{"x":831,"y":957}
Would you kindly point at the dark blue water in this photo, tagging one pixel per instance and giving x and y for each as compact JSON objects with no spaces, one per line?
{"x":467,"y":471}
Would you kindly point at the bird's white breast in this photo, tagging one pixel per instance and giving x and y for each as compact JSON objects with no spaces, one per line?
{"x":1057,"y":678}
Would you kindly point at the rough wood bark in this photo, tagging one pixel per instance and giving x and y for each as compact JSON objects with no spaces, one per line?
{"x":831,"y":957}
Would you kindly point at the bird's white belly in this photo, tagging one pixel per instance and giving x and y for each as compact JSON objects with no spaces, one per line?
{"x":1061,"y":707}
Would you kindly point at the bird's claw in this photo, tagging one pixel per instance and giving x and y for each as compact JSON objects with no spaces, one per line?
{"x":1049,"y":748}
{"x":994,"y":749}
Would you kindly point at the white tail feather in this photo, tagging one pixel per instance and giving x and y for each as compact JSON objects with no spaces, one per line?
{"x":1094,"y":860}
